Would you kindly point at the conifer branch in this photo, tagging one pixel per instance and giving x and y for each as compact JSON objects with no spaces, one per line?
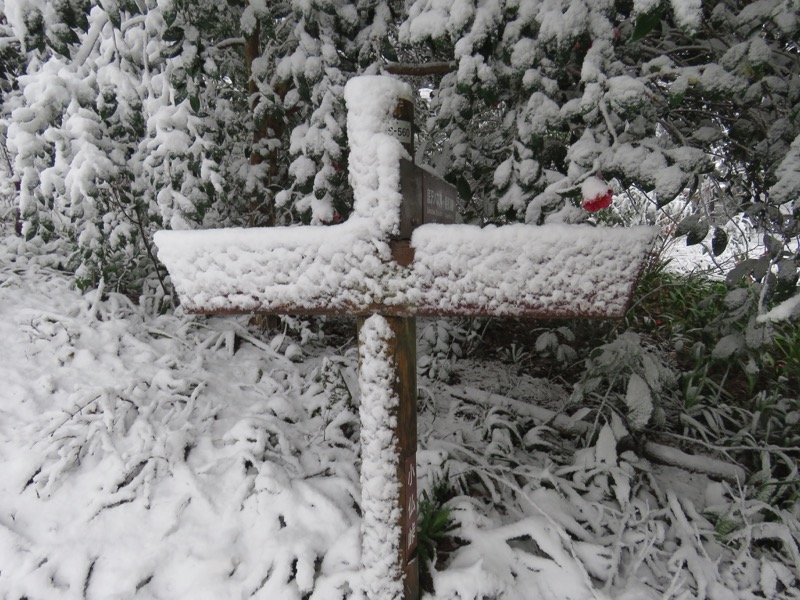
{"x":230,"y":42}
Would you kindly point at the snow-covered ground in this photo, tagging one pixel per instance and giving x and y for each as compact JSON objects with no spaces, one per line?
{"x":174,"y":457}
{"x":165,"y":456}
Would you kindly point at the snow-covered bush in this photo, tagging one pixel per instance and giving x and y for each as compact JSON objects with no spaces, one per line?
{"x":725,"y":393}
{"x":664,"y":99}
{"x":109,"y":138}
{"x":163,"y":455}
{"x":629,"y":376}
{"x":132,"y":117}
{"x":441,"y":341}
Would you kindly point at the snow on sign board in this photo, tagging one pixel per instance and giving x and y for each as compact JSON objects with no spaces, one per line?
{"x":514,"y":270}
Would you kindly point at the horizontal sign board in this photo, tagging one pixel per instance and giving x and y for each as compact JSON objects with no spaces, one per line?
{"x":548,"y":271}
{"x":439,"y":200}
{"x":426,"y":199}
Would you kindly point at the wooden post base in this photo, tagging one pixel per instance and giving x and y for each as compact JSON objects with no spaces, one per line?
{"x":403,"y":351}
{"x":405,"y":355}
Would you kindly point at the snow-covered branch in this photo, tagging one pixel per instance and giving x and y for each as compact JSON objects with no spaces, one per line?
{"x":230,"y":42}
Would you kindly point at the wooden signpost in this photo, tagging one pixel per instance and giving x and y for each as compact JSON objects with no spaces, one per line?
{"x":416,"y":265}
{"x":426,"y":199}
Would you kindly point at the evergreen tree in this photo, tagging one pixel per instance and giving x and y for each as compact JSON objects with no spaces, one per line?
{"x":11,"y":66}
{"x":666,"y":98}
{"x":124,"y":117}
{"x":109,"y":137}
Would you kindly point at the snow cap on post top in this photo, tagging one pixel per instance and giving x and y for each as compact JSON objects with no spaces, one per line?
{"x":374,"y":153}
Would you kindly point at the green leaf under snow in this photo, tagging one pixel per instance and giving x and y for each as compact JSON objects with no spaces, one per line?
{"x":695,"y":227}
{"x":719,"y":241}
{"x":698,"y":233}
{"x":645,"y":23}
{"x":728,"y":345}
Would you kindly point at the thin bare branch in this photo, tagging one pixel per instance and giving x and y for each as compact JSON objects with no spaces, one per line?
{"x":420,"y":70}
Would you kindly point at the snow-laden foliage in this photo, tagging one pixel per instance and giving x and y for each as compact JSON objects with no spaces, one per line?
{"x":128,"y":116}
{"x":138,"y":460}
{"x":441,"y":342}
{"x":568,"y":89}
{"x":306,"y":52}
{"x":108,"y":136}
{"x":185,"y":457}
{"x":590,"y":522}
{"x":685,"y":100}
{"x":648,"y":380}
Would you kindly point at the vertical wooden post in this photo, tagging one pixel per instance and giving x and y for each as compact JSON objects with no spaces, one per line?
{"x":405,"y":339}
{"x":403,"y":348}
{"x":405,"y":355}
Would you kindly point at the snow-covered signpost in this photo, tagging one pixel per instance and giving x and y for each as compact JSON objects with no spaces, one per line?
{"x":365,"y":267}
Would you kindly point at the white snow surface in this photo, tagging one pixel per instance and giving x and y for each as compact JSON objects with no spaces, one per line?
{"x":688,"y":13}
{"x":380,"y":490}
{"x":788,"y":184}
{"x":459,"y":269}
{"x":516,"y":269}
{"x":593,"y":187}
{"x":788,"y":309}
{"x":148,"y":456}
{"x":268,"y":268}
{"x":374,"y":154}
